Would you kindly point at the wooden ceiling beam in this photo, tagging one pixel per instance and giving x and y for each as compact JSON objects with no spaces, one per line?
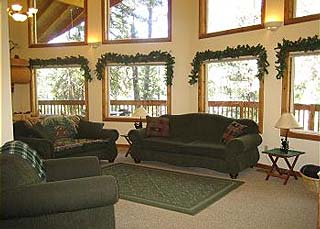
{"x":78,"y":3}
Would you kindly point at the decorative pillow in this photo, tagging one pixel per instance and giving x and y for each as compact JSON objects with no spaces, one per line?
{"x":90,"y":130}
{"x":60,"y":126}
{"x":234,"y":130}
{"x":157,"y":127}
{"x":41,"y":132}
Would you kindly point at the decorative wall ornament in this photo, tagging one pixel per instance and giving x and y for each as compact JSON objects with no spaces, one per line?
{"x":308,"y":44}
{"x":154,"y":56}
{"x":65,"y":61}
{"x":241,"y":50}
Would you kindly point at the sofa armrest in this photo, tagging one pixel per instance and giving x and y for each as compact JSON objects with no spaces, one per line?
{"x":58,"y":197}
{"x":136,"y":135}
{"x":44,"y":147}
{"x":71,"y":168}
{"x":244,"y":143}
{"x":111,"y":134}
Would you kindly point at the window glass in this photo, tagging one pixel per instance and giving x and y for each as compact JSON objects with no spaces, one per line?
{"x":306,"y":7}
{"x":233,"y":89}
{"x":138,"y":19}
{"x":230,"y":14}
{"x":59,"y":21}
{"x":306,"y":91}
{"x":60,"y":91}
{"x":131,"y":87}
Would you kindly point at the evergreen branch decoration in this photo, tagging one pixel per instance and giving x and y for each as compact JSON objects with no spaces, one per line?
{"x":241,"y":50}
{"x":308,"y":44}
{"x":67,"y":60}
{"x":154,"y":56}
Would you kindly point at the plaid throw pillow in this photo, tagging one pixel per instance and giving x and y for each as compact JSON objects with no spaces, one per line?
{"x":157,"y":127}
{"x":234,"y":130}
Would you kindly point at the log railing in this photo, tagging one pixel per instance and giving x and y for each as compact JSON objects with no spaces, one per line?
{"x":127,"y":107}
{"x":307,"y":115}
{"x":235,"y":109}
{"x":62,"y":107}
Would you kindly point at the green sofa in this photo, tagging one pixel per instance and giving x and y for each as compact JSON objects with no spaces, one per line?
{"x":67,"y":136}
{"x":195,"y":140}
{"x":75,"y":195}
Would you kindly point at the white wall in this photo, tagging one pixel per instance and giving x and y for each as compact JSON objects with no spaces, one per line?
{"x":5,"y":95}
{"x":184,"y":44}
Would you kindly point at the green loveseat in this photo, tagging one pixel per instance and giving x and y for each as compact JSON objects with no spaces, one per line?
{"x":67,"y":136}
{"x":75,"y":195}
{"x":196,"y":140}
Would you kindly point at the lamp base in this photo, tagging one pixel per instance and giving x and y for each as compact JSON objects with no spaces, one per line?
{"x":284,"y":145}
{"x":138,"y":125}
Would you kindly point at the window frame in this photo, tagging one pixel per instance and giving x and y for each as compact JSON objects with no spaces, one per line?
{"x":286,"y":102}
{"x":34,"y":97}
{"x":203,"y":87}
{"x":106,"y":97}
{"x":105,"y":28}
{"x":31,"y":35}
{"x":288,"y":14}
{"x":203,"y":22}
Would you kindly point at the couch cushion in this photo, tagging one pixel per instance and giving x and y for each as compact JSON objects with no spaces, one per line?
{"x":164,"y":143}
{"x":157,"y":127}
{"x":90,"y":130}
{"x":42,"y":132}
{"x":76,"y":144}
{"x":60,"y":126}
{"x":206,"y":149}
{"x":234,"y":130}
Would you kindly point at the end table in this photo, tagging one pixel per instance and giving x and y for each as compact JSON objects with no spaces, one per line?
{"x":274,"y":155}
{"x":126,"y":136}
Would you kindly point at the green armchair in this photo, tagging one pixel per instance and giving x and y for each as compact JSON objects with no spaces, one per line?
{"x":74,"y":195}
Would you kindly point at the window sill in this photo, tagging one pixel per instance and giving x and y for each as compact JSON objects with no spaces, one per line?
{"x":82,"y":43}
{"x":123,"y":119}
{"x":313,"y":17}
{"x":130,"y":41}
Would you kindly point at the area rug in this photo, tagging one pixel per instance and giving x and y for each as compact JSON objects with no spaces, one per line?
{"x":177,"y":191}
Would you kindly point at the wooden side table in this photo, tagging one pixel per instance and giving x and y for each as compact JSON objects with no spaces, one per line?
{"x":274,"y":155}
{"x":126,"y":136}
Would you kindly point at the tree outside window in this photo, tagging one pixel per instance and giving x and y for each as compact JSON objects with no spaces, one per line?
{"x":138,"y":20}
{"x":60,"y":91}
{"x":233,"y":88}
{"x":133,"y":86}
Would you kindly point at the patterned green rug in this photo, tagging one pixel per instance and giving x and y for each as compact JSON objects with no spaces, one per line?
{"x":177,"y":191}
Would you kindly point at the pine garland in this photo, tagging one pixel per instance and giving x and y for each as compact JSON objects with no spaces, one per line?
{"x":154,"y":56}
{"x":241,"y":50}
{"x":67,"y":60}
{"x":308,"y":44}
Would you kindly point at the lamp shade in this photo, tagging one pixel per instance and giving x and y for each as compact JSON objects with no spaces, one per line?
{"x":287,"y":121}
{"x":140,"y":112}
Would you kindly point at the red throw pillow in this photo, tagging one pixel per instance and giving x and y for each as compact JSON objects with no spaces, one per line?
{"x":157,"y":127}
{"x":234,"y":130}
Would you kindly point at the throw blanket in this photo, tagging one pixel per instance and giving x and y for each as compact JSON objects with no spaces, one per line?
{"x":23,"y":150}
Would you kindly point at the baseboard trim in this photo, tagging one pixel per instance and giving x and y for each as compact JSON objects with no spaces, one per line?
{"x":268,"y":167}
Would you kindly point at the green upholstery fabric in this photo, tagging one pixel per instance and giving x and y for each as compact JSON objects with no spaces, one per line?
{"x":65,"y":129}
{"x":77,"y":196}
{"x":195,"y":140}
{"x":90,"y":130}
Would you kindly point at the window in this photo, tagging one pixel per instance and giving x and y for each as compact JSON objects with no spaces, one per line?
{"x":137,"y":20}
{"x":233,"y":90}
{"x":60,"y":91}
{"x":132,"y":86}
{"x":304,"y":98}
{"x":301,"y":10}
{"x":223,"y":17}
{"x":58,"y":22}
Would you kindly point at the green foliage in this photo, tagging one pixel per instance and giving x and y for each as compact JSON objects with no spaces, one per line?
{"x":301,"y":45}
{"x":154,"y":56}
{"x":66,"y":61}
{"x":241,"y":50}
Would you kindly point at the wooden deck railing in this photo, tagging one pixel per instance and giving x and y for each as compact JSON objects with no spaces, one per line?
{"x":235,"y":109}
{"x":62,"y":107}
{"x":307,"y":115}
{"x":127,"y":107}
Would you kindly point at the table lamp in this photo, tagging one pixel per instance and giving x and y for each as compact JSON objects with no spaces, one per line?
{"x":286,"y":122}
{"x":141,"y":113}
